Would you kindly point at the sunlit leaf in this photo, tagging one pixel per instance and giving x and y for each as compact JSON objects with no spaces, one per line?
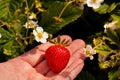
{"x":107,"y":7}
{"x":114,"y":74}
{"x":70,"y":14}
{"x":115,"y":14}
{"x":102,"y":9}
{"x":101,"y":47}
{"x":113,"y":35}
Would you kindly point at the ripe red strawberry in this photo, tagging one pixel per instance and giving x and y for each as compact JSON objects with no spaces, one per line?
{"x":57,"y":57}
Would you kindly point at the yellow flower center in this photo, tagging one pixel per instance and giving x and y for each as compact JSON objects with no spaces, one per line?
{"x":109,"y":26}
{"x":81,"y":1}
{"x":95,"y":1}
{"x":40,"y":35}
{"x":88,"y":52}
{"x":31,"y":24}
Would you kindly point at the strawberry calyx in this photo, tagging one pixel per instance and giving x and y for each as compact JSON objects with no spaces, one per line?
{"x":60,"y":42}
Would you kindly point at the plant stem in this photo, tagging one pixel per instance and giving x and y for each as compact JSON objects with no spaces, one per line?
{"x":27,"y":9}
{"x":68,"y":3}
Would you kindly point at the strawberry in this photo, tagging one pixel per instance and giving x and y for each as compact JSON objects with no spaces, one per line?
{"x":57,"y":56}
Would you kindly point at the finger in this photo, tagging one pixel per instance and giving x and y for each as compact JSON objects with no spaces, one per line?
{"x":72,"y":71}
{"x":77,"y":51}
{"x":36,"y":55}
{"x":76,"y":55}
{"x":42,"y":67}
{"x":76,"y":69}
{"x":76,"y":45}
{"x":51,"y":74}
{"x":69,"y":73}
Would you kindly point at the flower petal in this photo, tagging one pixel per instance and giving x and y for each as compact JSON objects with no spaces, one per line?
{"x":91,"y":57}
{"x":45,"y":35}
{"x":43,"y":40}
{"x":39,"y":29}
{"x":35,"y":33}
{"x":0,"y":35}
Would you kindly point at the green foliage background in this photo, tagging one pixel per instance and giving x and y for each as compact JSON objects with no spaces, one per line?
{"x":16,"y":39}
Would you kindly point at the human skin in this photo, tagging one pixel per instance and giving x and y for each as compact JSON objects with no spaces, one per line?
{"x":32,"y":65}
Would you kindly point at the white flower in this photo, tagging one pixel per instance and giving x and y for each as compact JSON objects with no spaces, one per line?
{"x":30,"y":24}
{"x":94,"y":3}
{"x":31,"y":17}
{"x":40,"y":35}
{"x":0,"y":35}
{"x":112,"y":25}
{"x":89,"y":52}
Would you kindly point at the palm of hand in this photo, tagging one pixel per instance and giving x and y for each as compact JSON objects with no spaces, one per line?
{"x":33,"y":66}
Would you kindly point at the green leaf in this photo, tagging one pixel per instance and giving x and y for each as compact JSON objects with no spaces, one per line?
{"x":17,"y":27}
{"x":111,"y":7}
{"x":11,"y":49}
{"x":103,"y":64}
{"x":105,"y":8}
{"x":7,"y":48}
{"x":116,"y":11}
{"x":114,"y":74}
{"x":101,"y":47}
{"x":70,"y":14}
{"x":113,"y":35}
{"x":8,"y":7}
{"x":6,"y":36}
{"x":115,"y":14}
{"x":118,"y":32}
{"x":102,"y":9}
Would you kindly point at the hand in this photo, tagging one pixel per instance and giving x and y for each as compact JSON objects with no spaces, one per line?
{"x":32,"y":64}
